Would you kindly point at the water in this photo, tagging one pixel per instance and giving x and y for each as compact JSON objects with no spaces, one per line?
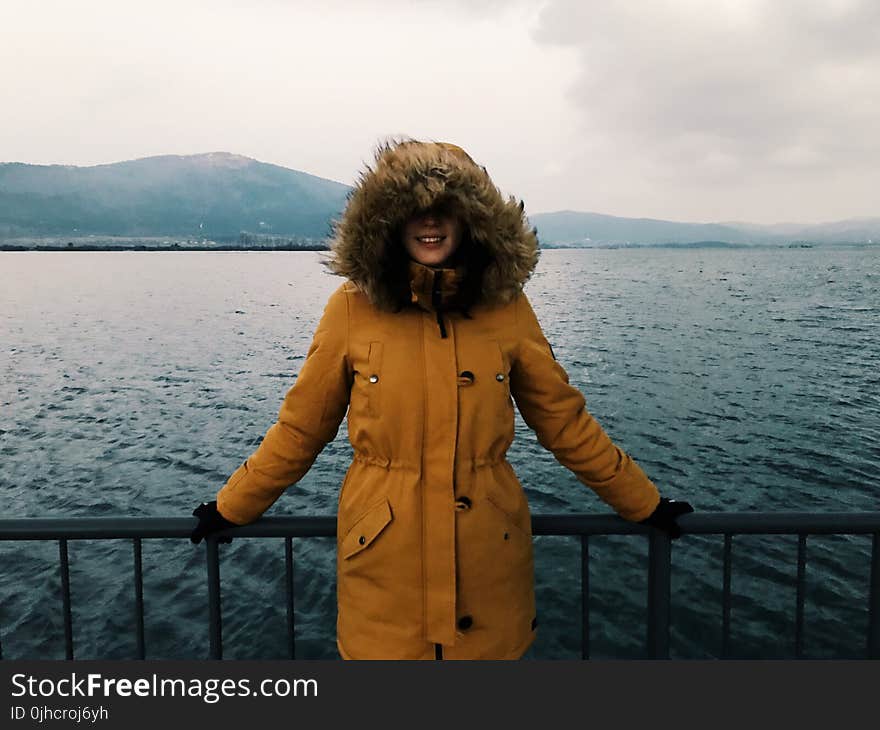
{"x":135,"y":383}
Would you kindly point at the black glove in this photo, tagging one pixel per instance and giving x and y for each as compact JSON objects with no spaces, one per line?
{"x":663,"y":518}
{"x":210,"y":520}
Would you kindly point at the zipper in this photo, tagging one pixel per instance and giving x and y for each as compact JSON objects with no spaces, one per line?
{"x":436,"y":300}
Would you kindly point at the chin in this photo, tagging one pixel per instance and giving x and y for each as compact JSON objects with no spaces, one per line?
{"x":434,"y":258}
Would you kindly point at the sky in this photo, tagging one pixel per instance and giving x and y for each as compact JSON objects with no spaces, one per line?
{"x":762,"y":111}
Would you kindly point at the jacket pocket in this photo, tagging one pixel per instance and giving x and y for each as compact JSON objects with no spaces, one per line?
{"x":508,"y":518}
{"x":366,"y":529}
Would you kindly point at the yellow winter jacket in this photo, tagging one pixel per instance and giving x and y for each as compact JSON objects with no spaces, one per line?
{"x":434,"y":548}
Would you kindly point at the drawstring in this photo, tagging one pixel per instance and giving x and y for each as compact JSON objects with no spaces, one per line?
{"x":437,"y":302}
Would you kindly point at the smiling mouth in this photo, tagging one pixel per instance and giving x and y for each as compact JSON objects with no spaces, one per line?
{"x":430,"y":239}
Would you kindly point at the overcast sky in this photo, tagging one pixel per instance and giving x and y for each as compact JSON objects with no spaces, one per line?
{"x":700,"y":110}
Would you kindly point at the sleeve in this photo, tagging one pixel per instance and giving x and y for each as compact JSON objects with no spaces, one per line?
{"x":556,"y":412}
{"x":308,"y":420}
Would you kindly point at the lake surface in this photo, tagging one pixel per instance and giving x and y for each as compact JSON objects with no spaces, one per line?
{"x":134,"y":383}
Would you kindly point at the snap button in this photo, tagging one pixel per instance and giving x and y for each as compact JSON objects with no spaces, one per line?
{"x":506,"y":535}
{"x":362,"y":540}
{"x":499,"y":377}
{"x":465,"y":622}
{"x":374,"y":378}
{"x":462,"y":503}
{"x":467,"y":374}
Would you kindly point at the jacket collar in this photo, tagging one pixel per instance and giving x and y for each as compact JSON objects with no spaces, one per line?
{"x":434,"y":290}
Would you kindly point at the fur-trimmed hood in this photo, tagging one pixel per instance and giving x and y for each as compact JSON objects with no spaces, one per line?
{"x":409,"y":176}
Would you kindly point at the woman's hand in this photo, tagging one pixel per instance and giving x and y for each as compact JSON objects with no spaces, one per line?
{"x":210,"y":520}
{"x":664,"y":517}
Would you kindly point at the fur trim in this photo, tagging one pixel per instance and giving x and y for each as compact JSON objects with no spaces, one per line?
{"x":408,"y":176}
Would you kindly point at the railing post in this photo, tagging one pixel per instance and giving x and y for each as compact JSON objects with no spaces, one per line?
{"x":725,"y":597}
{"x":139,"y":598}
{"x":214,"y":620}
{"x":289,"y":595}
{"x":585,"y":597}
{"x":65,"y":598}
{"x":874,"y":601}
{"x":799,"y":602}
{"x":659,"y":593}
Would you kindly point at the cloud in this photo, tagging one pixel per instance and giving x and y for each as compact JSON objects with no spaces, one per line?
{"x":687,"y":109}
{"x":710,"y":92}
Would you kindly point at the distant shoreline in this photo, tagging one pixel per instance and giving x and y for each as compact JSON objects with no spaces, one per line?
{"x":18,"y":247}
{"x":547,"y":247}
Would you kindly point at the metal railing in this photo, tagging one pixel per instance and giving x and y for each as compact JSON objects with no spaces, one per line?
{"x":584,"y":526}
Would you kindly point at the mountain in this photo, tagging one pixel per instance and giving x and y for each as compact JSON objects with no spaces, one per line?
{"x":573,"y":228}
{"x":854,"y":229}
{"x":207,"y":195}
{"x":576,"y":228}
{"x":218,"y":196}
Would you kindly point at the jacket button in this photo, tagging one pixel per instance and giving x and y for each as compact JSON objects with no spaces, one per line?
{"x":362,"y":539}
{"x":467,"y":374}
{"x":499,"y":377}
{"x":465,"y":622}
{"x":462,"y":503}
{"x":374,"y":378}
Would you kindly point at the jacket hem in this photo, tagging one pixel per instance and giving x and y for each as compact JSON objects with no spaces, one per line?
{"x":511,"y":656}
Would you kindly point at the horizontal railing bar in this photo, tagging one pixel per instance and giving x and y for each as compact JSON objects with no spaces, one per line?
{"x":85,"y":528}
{"x":759,"y":523}
{"x":714,"y":523}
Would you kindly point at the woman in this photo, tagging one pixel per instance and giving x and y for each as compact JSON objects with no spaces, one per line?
{"x":426,"y":345}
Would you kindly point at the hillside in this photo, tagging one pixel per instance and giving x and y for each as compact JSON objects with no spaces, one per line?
{"x":573,"y":228}
{"x":208,"y":195}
